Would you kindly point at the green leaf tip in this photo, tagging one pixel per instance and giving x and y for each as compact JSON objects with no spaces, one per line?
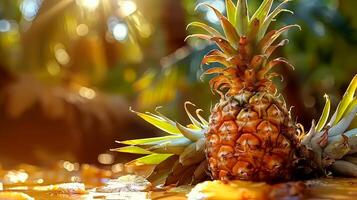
{"x":325,"y":114}
{"x":263,"y":10}
{"x":210,"y":30}
{"x":152,"y":159}
{"x":158,"y":122}
{"x":242,"y":17}
{"x":132,"y":149}
{"x":149,"y":141}
{"x":231,"y":11}
{"x":346,"y":100}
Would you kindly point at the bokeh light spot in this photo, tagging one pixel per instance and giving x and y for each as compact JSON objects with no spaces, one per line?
{"x":40,"y":181}
{"x":120,"y":31}
{"x":62,"y":56}
{"x":105,"y":158}
{"x":87,"y":93}
{"x":68,"y":166}
{"x":82,"y":30}
{"x":16,"y":176}
{"x":89,"y":4}
{"x":127,"y":7}
{"x":118,"y":168}
{"x":29,"y":9}
{"x":5,"y":25}
{"x":53,"y":68}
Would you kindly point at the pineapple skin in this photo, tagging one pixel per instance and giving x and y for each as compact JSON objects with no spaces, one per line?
{"x":251,"y":137}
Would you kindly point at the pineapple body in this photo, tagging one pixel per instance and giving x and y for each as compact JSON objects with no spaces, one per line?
{"x":251,"y":137}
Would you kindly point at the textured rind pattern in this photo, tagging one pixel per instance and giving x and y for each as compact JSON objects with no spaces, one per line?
{"x":251,"y":137}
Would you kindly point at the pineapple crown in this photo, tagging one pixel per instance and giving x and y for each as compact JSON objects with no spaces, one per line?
{"x":245,"y":47}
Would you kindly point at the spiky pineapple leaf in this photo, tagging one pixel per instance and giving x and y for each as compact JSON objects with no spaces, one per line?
{"x":231,"y":11}
{"x":195,"y":122}
{"x":192,"y":134}
{"x":203,"y":121}
{"x":349,"y":109}
{"x":150,"y":141}
{"x":216,"y":52}
{"x":207,"y":28}
{"x":270,"y":18}
{"x":132,"y":149}
{"x":214,"y":70}
{"x":152,"y":159}
{"x":242,"y":17}
{"x":215,"y":56}
{"x":324,"y":116}
{"x":351,"y":106}
{"x":207,"y":59}
{"x":229,"y":30}
{"x":346,"y":100}
{"x":277,"y":61}
{"x":271,"y":36}
{"x":192,"y":126}
{"x":351,"y":133}
{"x":263,"y":10}
{"x":159,"y":122}
{"x":201,"y":36}
{"x":271,"y":49}
{"x":173,"y":146}
{"x":216,"y":12}
{"x":224,"y":45}
{"x":343,"y":124}
{"x":161,"y":171}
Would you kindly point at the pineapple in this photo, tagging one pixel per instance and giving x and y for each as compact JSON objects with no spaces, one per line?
{"x":250,"y":134}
